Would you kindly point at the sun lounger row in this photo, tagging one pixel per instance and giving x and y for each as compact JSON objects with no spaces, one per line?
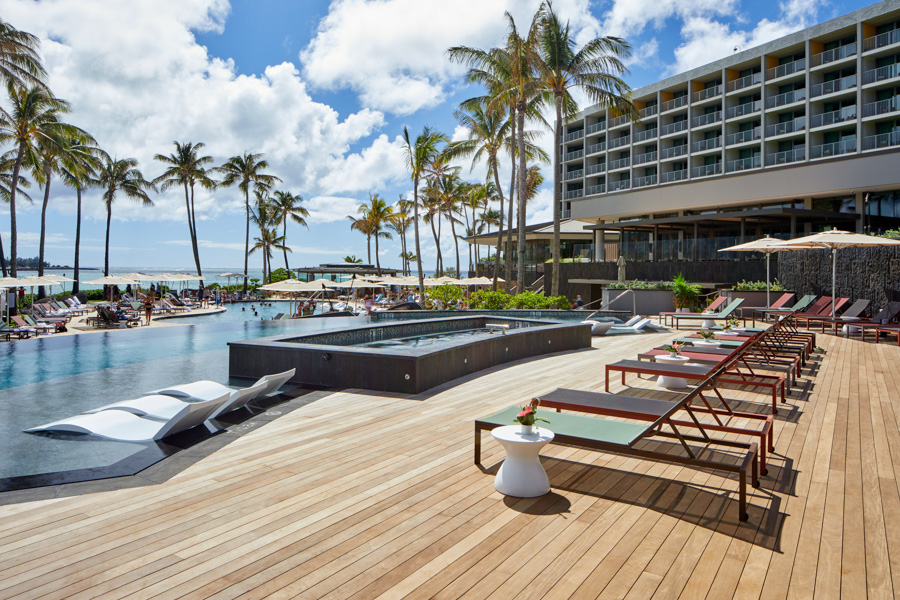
{"x":159,"y":414}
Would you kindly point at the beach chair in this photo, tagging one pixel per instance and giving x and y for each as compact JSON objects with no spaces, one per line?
{"x":206,"y":390}
{"x":881,"y":319}
{"x":159,"y":407}
{"x":723,"y":315}
{"x":623,"y":437}
{"x":800,"y":305}
{"x":37,"y":329}
{"x":853,"y":312}
{"x":780,"y":302}
{"x":20,"y":332}
{"x":54,"y":326}
{"x":712,"y":308}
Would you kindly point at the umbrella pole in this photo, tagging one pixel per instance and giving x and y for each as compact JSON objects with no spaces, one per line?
{"x":768,"y":254}
{"x":833,"y":278}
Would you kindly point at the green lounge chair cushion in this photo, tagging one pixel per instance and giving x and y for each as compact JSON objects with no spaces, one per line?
{"x":589,"y":428}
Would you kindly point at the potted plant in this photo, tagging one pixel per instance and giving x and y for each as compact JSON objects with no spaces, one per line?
{"x":674,"y":349}
{"x":708,"y":338}
{"x":528,"y":416}
{"x":731,"y":324}
{"x":684,"y":294}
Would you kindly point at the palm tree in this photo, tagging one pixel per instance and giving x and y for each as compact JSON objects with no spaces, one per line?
{"x":288,"y":208}
{"x":78,"y":170}
{"x":401,"y":222}
{"x":352,"y":259}
{"x":419,"y":155}
{"x":20,"y":63}
{"x":185,"y":167}
{"x":431,"y":202}
{"x":363,"y":225}
{"x":379,"y":214}
{"x":32,"y":117}
{"x":596,"y":69}
{"x":6,"y":164}
{"x":265,"y":216}
{"x":116,"y":176}
{"x":246,"y":171}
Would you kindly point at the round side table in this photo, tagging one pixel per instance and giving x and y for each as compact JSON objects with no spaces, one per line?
{"x":848,"y":328}
{"x":672,"y":383}
{"x":707,"y":343}
{"x":521,"y":475}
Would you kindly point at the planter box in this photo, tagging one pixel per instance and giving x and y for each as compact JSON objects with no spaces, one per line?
{"x":754,"y":298}
{"x":641,"y":302}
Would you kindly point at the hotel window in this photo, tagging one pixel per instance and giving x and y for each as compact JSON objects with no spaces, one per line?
{"x":850,"y":39}
{"x":784,"y":60}
{"x":887,"y":28}
{"x":841,"y":205}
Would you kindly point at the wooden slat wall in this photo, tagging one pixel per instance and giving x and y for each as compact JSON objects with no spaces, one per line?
{"x":366,"y":496}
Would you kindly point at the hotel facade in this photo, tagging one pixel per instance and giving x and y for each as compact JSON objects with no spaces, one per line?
{"x":787,"y":138}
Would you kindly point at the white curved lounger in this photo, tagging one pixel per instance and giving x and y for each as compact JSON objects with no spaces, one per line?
{"x":241,"y":397}
{"x":197,"y":390}
{"x":159,"y":407}
{"x":599,"y":327}
{"x":274,"y":382}
{"x":127,"y":427}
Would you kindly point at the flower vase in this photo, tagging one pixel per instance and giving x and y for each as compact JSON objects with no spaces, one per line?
{"x":526,"y":429}
{"x":673,"y":355}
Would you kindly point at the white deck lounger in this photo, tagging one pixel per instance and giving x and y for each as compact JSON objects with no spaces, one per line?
{"x":159,"y":407}
{"x":599,"y":327}
{"x":127,"y":427}
{"x":205,"y":390}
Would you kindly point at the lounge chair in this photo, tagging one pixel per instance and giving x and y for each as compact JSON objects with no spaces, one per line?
{"x":621,"y":437}
{"x":20,"y":332}
{"x":880,"y":319}
{"x":159,"y":407}
{"x":799,"y":306}
{"x":633,"y":325}
{"x":887,"y":329}
{"x":779,"y":303}
{"x":127,"y":427}
{"x":853,"y":312}
{"x":206,"y":390}
{"x":56,"y":326}
{"x":599,"y":328}
{"x":712,"y":308}
{"x":38,"y":329}
{"x":723,"y":315}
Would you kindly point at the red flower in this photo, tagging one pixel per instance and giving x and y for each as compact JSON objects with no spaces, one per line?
{"x":525,"y":412}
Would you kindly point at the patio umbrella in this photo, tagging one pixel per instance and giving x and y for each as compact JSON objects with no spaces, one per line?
{"x":767,"y":246}
{"x":834,"y":240}
{"x":8,"y":282}
{"x":111,"y":280}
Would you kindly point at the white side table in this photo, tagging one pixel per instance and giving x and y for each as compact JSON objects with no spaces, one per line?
{"x":521,"y":474}
{"x":848,"y":328}
{"x":672,"y":383}
{"x":707,"y":343}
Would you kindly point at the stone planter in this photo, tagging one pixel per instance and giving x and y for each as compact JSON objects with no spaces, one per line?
{"x":642,"y":302}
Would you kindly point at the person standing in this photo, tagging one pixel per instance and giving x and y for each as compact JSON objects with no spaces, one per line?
{"x":148,"y":309}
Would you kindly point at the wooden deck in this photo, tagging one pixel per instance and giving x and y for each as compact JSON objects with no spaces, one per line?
{"x":360,"y":495}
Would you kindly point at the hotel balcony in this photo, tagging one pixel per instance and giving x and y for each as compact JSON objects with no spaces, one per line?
{"x":881,"y":40}
{"x":595,"y":148}
{"x":673,"y":176}
{"x":674,"y":127}
{"x":596,"y":127}
{"x":847,"y":113}
{"x":574,"y":194}
{"x":831,"y":87}
{"x":740,"y":110}
{"x":599,"y":168}
{"x":882,"y":140}
{"x":785,"y":69}
{"x":619,"y":164}
{"x":574,"y":155}
{"x":619,"y":142}
{"x":708,"y":119}
{"x":648,"y":111}
{"x":881,"y":74}
{"x":709,"y":144}
{"x":577,"y":174}
{"x":645,"y":158}
{"x":783,"y":158}
{"x":645,"y":181}
{"x":706,"y":170}
{"x":618,"y":121}
{"x":708,"y":93}
{"x":798,"y":124}
{"x":674,"y":151}
{"x":640,"y":136}
{"x":745,"y":82}
{"x":834,"y":149}
{"x":596,"y":189}
{"x":575,"y":135}
{"x":674,"y":103}
{"x":742,"y":164}
{"x":786,"y":98}
{"x":743,"y":136}
{"x":881,"y":107}
{"x":618,"y":186}
{"x":835,"y":54}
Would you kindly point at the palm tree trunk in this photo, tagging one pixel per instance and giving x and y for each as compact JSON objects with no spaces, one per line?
{"x":416,"y":235}
{"x":377,"y":260}
{"x":369,"y":247}
{"x":43,"y":232}
{"x":108,"y":223}
{"x":77,"y":239}
{"x":493,"y":167}
{"x":284,"y":243}
{"x":247,"y":238}
{"x":192,"y":228}
{"x":455,"y":244}
{"x":520,"y":193}
{"x":557,"y":195}
{"x":2,"y":258}
{"x":437,"y":244}
{"x":13,"y":236}
{"x":512,"y":194}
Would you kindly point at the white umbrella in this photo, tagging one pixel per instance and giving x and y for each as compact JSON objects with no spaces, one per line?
{"x":9,"y":282}
{"x":834,"y":240}
{"x":767,"y":246}
{"x":292,"y":285}
{"x":355,"y":284}
{"x":111,"y":280}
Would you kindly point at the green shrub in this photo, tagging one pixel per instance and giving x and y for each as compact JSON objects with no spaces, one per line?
{"x":446,"y":294}
{"x":94,"y":295}
{"x":685,"y":294}
{"x":278,"y":275}
{"x":489,"y":300}
{"x":640,"y":285}
{"x":758,"y":286}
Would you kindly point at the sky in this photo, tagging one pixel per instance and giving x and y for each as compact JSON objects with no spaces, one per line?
{"x":323,"y":89}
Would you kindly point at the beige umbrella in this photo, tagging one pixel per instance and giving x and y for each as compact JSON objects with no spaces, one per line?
{"x":476,"y":281}
{"x":767,"y":246}
{"x":111,"y":280}
{"x":355,"y":284}
{"x":292,"y":285}
{"x":834,"y":240}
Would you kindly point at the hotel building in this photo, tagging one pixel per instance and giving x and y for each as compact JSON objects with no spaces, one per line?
{"x":786,"y":138}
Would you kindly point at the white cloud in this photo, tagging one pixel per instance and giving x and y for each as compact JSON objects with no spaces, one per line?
{"x":328,"y":209}
{"x":627,"y":18}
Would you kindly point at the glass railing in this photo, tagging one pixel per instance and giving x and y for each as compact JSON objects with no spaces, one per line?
{"x":782,"y":158}
{"x":881,"y":107}
{"x":645,"y":181}
{"x":881,"y":73}
{"x":645,"y":135}
{"x":674,"y":127}
{"x":622,"y":141}
{"x":786,"y":98}
{"x":743,"y":136}
{"x":709,"y":144}
{"x":596,"y":189}
{"x":673,"y":176}
{"x":574,"y":155}
{"x":823,"y":58}
{"x":707,"y":93}
{"x":743,"y":82}
{"x":706,"y":119}
{"x":645,"y":158}
{"x":598,"y":168}
{"x":786,"y":69}
{"x":798,"y":124}
{"x":830,"y":87}
{"x":882,"y":39}
{"x":675,"y":151}
{"x":575,"y":135}
{"x":834,"y":149}
{"x":619,"y":163}
{"x":882,"y":140}
{"x":615,"y":122}
{"x":596,"y":127}
{"x":706,"y":170}
{"x":838,"y":116}
{"x":648,"y":111}
{"x":743,"y":109}
{"x":595,"y":148}
{"x":566,"y":213}
{"x":615,"y":186}
{"x":742,"y":164}
{"x":674,"y":103}
{"x":574,"y":194}
{"x":577,"y":174}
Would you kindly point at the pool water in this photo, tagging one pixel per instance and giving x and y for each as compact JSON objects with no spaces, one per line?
{"x":420,"y":341}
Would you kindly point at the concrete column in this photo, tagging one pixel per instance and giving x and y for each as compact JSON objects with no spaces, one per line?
{"x":653,"y":244}
{"x":696,"y":236}
{"x":860,"y":211}
{"x":743,"y":234}
{"x":793,"y":226}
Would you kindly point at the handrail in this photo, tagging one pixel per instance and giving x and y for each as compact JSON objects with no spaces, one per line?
{"x":605,"y":306}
